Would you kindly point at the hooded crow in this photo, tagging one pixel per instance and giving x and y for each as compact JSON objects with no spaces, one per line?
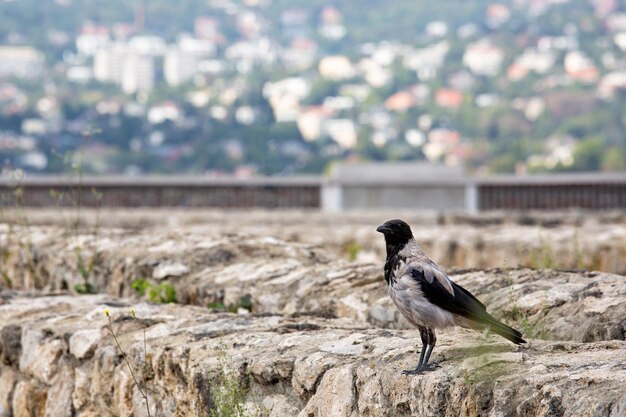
{"x":427,"y":297}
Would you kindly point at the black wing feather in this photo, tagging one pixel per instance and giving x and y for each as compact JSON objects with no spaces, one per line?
{"x":464,"y":304}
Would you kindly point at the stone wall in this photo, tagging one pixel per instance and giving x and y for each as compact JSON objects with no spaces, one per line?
{"x":566,"y":240}
{"x":57,"y":358}
{"x":279,"y":277}
{"x":314,"y":334}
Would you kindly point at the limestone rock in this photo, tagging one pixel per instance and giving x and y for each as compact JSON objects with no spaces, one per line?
{"x":41,"y":351}
{"x":8,"y":379}
{"x":169,"y":270}
{"x":28,"y":400}
{"x":290,"y":365}
{"x":83,"y":342}
{"x":262,"y":274}
{"x":570,"y":239}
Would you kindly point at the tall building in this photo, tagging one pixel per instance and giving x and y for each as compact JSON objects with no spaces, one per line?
{"x":124,"y":66}
{"x":179,"y":67}
{"x":107,"y":63}
{"x":20,"y":62}
{"x":91,"y":38}
{"x":137,"y":73}
{"x":181,"y":61}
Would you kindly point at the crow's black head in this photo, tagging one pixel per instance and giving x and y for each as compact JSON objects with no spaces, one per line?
{"x":395,"y":231}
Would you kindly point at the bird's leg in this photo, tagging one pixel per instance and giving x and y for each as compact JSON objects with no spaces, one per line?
{"x":428,"y":342}
{"x":425,"y":341}
{"x":431,"y":345}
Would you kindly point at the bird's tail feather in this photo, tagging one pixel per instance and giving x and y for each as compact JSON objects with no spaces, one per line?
{"x":505,"y":331}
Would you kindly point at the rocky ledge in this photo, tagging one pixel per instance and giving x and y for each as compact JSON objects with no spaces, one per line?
{"x":574,"y":239}
{"x":58,"y":358}
{"x":279,"y":277}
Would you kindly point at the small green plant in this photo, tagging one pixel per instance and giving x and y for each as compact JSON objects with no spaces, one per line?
{"x":506,"y":268}
{"x":352,"y":250}
{"x":216,"y":306}
{"x":481,"y":363}
{"x":579,"y":259}
{"x":542,"y":257}
{"x":85,"y":287}
{"x":228,"y":391}
{"x":535,"y":330}
{"x":7,"y":279}
{"x":532,"y":330}
{"x":467,"y":379}
{"x":5,"y":253}
{"x":162,"y":293}
{"x":245,"y":302}
{"x":130,"y":368}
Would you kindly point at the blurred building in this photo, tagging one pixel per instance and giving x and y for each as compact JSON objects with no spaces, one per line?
{"x":107,"y":64}
{"x":482,"y":58}
{"x":91,"y":39}
{"x":183,"y":60}
{"x":124,"y":66}
{"x":395,"y":185}
{"x":21,"y":62}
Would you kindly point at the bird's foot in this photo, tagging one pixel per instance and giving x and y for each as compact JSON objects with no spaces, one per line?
{"x":420,"y":369}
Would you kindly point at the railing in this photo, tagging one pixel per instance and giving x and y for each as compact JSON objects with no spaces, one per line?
{"x":552,"y":193}
{"x":162,"y":192}
{"x":587,"y":191}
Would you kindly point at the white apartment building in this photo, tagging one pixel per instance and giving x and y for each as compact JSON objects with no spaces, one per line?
{"x":179,"y":67}
{"x":20,"y":62}
{"x":482,"y":58}
{"x":137,"y":74}
{"x":182,"y":62}
{"x":108,"y":62}
{"x":122,"y":65}
{"x":91,"y":39}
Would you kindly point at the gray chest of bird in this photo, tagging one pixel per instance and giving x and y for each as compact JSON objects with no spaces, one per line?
{"x":407,"y":295}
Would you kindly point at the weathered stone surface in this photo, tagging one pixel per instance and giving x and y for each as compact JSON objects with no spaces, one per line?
{"x":269,"y":275}
{"x":59,"y":396}
{"x":8,"y":379}
{"x":300,"y":365}
{"x":580,"y":306}
{"x":41,"y":350}
{"x":83,"y":343}
{"x":571,"y":239}
{"x":171,"y":270}
{"x":29,"y":399}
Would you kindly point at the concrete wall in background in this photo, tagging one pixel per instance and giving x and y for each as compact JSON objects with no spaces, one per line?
{"x":448,"y":197}
{"x":399,"y":186}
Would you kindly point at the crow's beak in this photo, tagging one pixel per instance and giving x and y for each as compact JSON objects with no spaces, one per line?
{"x":382,"y":229}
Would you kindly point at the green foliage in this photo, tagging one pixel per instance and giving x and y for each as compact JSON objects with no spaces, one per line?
{"x":530,"y":328}
{"x":5,"y":253}
{"x":216,"y":306}
{"x":533,"y":330}
{"x":85,"y":287}
{"x":244,"y":302}
{"x":321,"y":89}
{"x":542,"y":257}
{"x":6,"y":278}
{"x":589,"y":154}
{"x":352,"y":250}
{"x":614,"y":159}
{"x":578,"y":253}
{"x":162,"y":293}
{"x":146,"y":365}
{"x":228,"y":390}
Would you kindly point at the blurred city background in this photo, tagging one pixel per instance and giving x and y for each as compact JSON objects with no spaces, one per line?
{"x":458,"y":90}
